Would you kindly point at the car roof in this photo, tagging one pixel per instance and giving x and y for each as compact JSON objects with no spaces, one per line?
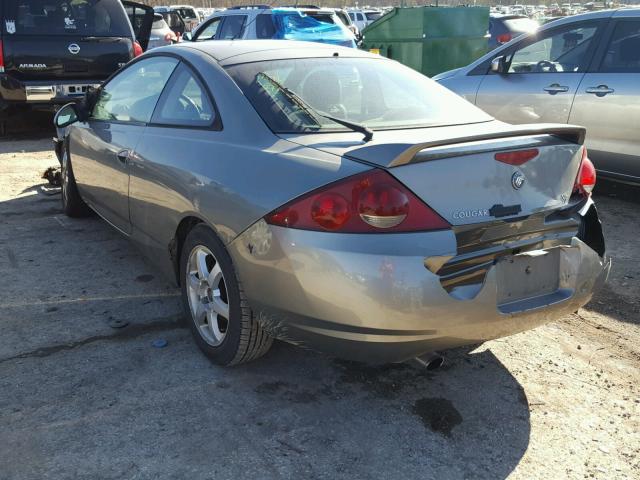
{"x":227,"y":52}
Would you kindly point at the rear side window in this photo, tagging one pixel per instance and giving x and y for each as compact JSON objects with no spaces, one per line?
{"x":105,"y":18}
{"x":184,"y":102}
{"x":623,"y":51}
{"x":188,"y":13}
{"x":264,"y":26}
{"x":232,"y":27}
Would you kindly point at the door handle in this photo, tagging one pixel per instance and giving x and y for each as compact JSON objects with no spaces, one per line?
{"x":555,"y":88}
{"x":123,"y":156}
{"x":600,"y":90}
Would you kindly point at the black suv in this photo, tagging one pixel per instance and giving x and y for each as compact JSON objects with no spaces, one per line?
{"x":51,"y":51}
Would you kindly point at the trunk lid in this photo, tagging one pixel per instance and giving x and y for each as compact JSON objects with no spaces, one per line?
{"x":45,"y":58}
{"x":454,"y":169}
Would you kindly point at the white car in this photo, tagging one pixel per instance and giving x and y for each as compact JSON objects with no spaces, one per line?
{"x":358,"y":18}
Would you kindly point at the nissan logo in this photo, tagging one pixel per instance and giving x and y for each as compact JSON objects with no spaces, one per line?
{"x":517,"y":180}
{"x":74,"y":49}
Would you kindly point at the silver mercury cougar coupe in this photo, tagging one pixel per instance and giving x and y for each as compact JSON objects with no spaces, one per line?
{"x":333,"y":199}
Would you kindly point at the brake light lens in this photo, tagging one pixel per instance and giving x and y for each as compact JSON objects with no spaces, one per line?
{"x":137,"y":49}
{"x":370,"y":202}
{"x":1,"y":58}
{"x":586,"y":179}
{"x":517,"y":157}
{"x":504,"y":38}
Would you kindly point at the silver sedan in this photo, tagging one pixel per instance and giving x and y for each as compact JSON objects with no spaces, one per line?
{"x":583,"y":69}
{"x":333,"y":199}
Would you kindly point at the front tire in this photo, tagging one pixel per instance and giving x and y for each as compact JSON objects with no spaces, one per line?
{"x":72,"y":202}
{"x":221,"y":320}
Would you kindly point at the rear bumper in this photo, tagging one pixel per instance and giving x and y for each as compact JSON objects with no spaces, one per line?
{"x":42,"y":92}
{"x":371,"y":298}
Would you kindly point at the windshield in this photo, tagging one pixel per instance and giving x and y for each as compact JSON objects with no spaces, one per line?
{"x":376,"y":93}
{"x":60,"y":17}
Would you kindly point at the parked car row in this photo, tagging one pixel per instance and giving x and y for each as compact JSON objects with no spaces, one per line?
{"x":312,"y":24}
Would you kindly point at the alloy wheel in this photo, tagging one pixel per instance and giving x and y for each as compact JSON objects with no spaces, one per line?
{"x":207,"y":294}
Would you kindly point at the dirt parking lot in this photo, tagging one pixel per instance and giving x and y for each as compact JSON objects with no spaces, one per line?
{"x":81,"y":399}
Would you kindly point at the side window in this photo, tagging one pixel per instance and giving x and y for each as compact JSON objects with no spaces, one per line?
{"x":562,"y":51}
{"x":623,"y":51}
{"x":232,"y":27}
{"x":209,"y":32}
{"x":184,"y":102}
{"x":264,"y":26}
{"x":361,"y":17}
{"x":132,"y":95}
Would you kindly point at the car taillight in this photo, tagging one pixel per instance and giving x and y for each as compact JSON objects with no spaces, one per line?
{"x":517,"y":157}
{"x":504,"y":38}
{"x":1,"y":58}
{"x":586,"y":179}
{"x":370,"y":202}
{"x":137,"y":49}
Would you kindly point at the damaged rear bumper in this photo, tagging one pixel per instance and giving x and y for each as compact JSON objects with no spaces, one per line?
{"x":371,"y":297}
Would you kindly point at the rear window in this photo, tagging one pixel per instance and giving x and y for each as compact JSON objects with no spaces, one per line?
{"x":103,"y":18}
{"x":379,"y":94}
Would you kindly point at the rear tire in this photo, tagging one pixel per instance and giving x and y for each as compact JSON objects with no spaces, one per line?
{"x":221,"y":321}
{"x":72,"y":202}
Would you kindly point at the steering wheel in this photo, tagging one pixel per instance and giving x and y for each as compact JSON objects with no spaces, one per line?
{"x":338,"y":110}
{"x":189,"y":105}
{"x":545,"y":66}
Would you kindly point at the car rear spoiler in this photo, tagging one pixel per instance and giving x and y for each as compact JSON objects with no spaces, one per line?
{"x":568,"y":133}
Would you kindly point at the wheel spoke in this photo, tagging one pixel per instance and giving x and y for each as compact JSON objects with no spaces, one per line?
{"x":214,"y":276}
{"x":202,"y":310}
{"x":194,"y":283}
{"x":214,"y":327}
{"x":219,"y":307}
{"x":201,"y":264}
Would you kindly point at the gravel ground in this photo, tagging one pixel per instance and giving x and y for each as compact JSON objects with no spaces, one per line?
{"x":80,"y":399}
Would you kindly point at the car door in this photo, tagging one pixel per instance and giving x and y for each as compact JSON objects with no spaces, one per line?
{"x":102,"y":147}
{"x":543,"y":74}
{"x":160,"y":174}
{"x":608,"y":102}
{"x":141,"y":18}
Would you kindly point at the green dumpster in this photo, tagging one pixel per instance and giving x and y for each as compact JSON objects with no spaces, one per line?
{"x":430,"y":40}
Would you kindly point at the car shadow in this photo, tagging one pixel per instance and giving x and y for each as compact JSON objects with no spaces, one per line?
{"x":470,"y":418}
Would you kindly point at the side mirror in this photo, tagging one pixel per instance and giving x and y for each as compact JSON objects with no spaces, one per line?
{"x":186,"y":37}
{"x":499,"y":65}
{"x":66,"y":116}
